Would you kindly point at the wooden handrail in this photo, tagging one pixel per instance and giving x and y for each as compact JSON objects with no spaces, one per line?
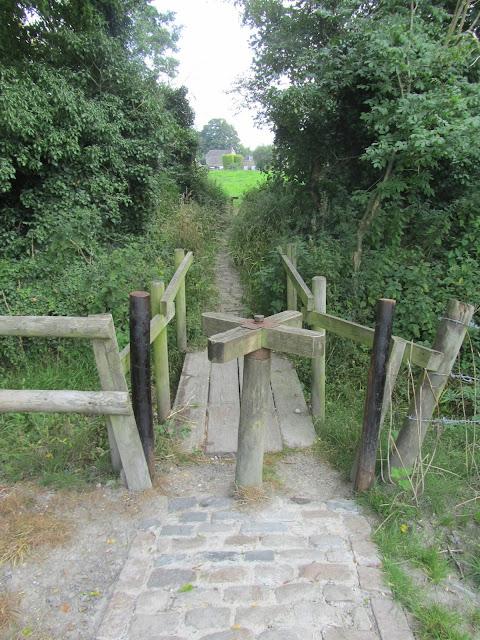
{"x":56,"y":327}
{"x":414,"y":353}
{"x":175,"y":283}
{"x":306,"y":296}
{"x":88,"y":402}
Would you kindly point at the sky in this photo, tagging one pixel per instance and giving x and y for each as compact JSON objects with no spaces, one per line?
{"x":213,"y":51}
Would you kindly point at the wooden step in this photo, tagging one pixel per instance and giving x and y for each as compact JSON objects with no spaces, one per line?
{"x":207,"y":407}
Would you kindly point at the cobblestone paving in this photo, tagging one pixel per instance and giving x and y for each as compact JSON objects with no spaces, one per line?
{"x":297,"y":569}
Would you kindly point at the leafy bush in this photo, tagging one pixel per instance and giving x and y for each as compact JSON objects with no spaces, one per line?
{"x":227,"y":160}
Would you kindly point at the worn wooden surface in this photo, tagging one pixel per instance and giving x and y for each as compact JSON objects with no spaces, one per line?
{"x":223,"y":408}
{"x":306,"y":296}
{"x":294,"y":417}
{"x":190,"y":408}
{"x":216,"y":423}
{"x":125,"y":446}
{"x":415,"y":353}
{"x":56,"y":327}
{"x":89,"y":402}
{"x":302,"y":342}
{"x":253,"y":419}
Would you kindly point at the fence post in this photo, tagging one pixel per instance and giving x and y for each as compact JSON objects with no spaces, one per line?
{"x":253,"y":418}
{"x":140,"y":373}
{"x":180,"y":306}
{"x":160,"y":357}
{"x":127,"y":449}
{"x":319,"y":290}
{"x":291,"y":291}
{"x":376,"y":385}
{"x":450,"y":334}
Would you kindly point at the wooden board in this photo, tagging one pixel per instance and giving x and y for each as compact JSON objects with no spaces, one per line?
{"x":224,"y":383}
{"x":222,"y":428}
{"x":223,"y":408}
{"x":217,"y":423}
{"x":190,"y":408}
{"x":296,"y":428}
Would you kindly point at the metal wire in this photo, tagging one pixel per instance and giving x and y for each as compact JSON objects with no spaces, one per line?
{"x":444,"y":420}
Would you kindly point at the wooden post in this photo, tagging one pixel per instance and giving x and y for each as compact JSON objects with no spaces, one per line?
{"x":160,"y":358}
{"x":376,"y":385}
{"x":140,"y":373}
{"x":125,"y":446}
{"x":180,"y":306}
{"x":450,"y":334}
{"x":253,"y":419}
{"x":291,"y":291}
{"x":395,"y":359}
{"x":319,"y":289}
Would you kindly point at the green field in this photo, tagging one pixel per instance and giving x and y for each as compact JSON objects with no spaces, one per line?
{"x":236,"y":183}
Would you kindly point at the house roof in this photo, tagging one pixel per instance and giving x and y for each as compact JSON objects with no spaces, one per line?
{"x":214,"y":156}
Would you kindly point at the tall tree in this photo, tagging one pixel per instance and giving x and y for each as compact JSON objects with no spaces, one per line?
{"x":218,"y":134}
{"x":87,"y":133}
{"x":374,"y":105}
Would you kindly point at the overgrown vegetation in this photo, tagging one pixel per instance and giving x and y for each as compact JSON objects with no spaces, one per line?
{"x":375,"y":179}
{"x":98,"y":186}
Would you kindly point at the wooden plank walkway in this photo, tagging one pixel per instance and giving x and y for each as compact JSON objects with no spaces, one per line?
{"x":207,"y":406}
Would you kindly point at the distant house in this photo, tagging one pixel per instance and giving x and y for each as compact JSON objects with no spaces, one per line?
{"x":213,"y":159}
{"x":248,"y":162}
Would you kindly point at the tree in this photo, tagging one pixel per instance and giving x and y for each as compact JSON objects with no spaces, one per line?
{"x":88,"y":136}
{"x":218,"y":134}
{"x":374,"y":105}
{"x":262,"y":156}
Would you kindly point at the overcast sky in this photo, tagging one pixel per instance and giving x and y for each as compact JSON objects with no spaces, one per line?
{"x":213,"y":51}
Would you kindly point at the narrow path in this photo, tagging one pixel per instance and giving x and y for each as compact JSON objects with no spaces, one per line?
{"x":229,"y":287}
{"x":295,"y":564}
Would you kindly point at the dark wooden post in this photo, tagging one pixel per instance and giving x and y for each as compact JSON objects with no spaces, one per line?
{"x":376,"y":385}
{"x":140,"y":373}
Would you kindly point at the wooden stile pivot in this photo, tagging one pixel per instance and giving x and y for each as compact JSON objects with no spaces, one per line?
{"x":140,"y":373}
{"x":253,"y":418}
{"x":375,"y":391}
{"x":254,"y":339}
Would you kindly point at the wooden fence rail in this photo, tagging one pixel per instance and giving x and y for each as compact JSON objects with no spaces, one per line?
{"x":438,"y":359}
{"x":125,"y":446}
{"x":113,"y":401}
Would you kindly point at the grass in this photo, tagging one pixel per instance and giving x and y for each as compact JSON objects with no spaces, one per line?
{"x":415,"y":527}
{"x":236,"y":183}
{"x":71,"y":451}
{"x":8,"y":609}
{"x":25,"y":526}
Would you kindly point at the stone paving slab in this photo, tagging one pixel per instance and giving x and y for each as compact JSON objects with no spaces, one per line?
{"x":294,"y":570}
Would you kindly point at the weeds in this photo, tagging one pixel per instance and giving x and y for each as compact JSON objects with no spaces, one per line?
{"x":25,"y":526}
{"x":8,"y":609}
